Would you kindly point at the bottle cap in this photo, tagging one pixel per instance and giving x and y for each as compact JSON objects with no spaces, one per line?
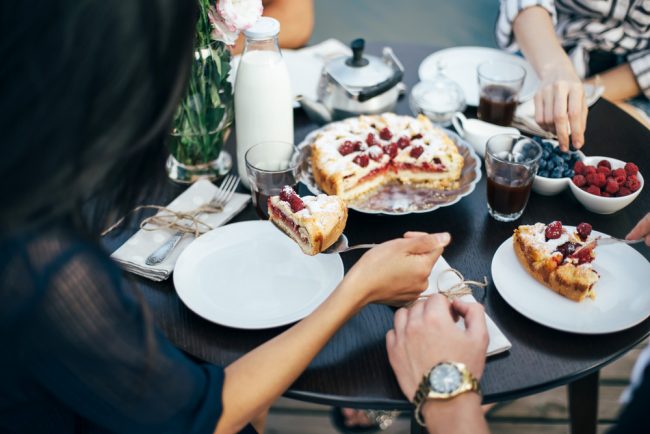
{"x":264,"y":28}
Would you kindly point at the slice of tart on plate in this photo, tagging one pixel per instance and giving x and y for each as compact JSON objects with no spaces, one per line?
{"x":557,"y":258}
{"x":313,"y":222}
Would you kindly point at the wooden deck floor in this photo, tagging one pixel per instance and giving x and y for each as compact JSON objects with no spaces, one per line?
{"x":544,"y":413}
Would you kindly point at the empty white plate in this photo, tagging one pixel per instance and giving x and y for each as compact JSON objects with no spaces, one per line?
{"x":622,"y":293}
{"x":460,"y":65}
{"x":249,"y":275}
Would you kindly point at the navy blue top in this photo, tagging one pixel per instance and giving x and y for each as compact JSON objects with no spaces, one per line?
{"x":80,"y":352}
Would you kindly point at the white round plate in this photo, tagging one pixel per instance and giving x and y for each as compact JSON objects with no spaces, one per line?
{"x":249,"y":275}
{"x":460,"y":65}
{"x":402,"y":199}
{"x":622,"y":295}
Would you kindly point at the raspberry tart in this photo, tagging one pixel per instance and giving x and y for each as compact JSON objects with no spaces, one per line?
{"x":356,"y":156}
{"x":557,"y":258}
{"x":314,"y":222}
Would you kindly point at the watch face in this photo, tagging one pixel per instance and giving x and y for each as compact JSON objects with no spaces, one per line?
{"x":445,"y":378}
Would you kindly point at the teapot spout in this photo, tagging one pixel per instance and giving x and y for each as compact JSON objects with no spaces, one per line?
{"x":316,"y":111}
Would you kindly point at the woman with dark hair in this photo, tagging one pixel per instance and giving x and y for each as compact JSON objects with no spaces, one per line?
{"x":88,"y":91}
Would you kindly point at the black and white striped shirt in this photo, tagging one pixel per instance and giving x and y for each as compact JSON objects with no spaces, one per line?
{"x":617,"y":26}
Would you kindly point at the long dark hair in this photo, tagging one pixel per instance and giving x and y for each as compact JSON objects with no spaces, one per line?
{"x":87,"y":92}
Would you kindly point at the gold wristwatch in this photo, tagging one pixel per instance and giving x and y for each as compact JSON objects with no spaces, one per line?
{"x":444,"y":381}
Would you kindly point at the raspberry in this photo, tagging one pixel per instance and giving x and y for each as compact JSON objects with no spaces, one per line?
{"x":553,"y":230}
{"x":620,"y":179}
{"x":416,"y":151}
{"x":362,"y":160}
{"x":584,"y":256}
{"x":385,"y":134}
{"x":579,"y":168}
{"x":357,"y":145}
{"x":612,"y":186}
{"x":376,"y":152}
{"x":604,"y":170}
{"x":371,"y":139}
{"x":403,"y":142}
{"x":346,"y":148}
{"x":591,"y":178}
{"x":601,"y":180}
{"x":583,"y":230}
{"x":632,"y":184}
{"x":631,"y":169}
{"x":604,"y":163}
{"x":589,"y":169}
{"x":391,"y":150}
{"x":623,"y":191}
{"x":605,"y":194}
{"x":593,"y":190}
{"x":296,"y":203}
{"x":579,"y":180}
{"x":619,"y":172}
{"x":286,"y":193}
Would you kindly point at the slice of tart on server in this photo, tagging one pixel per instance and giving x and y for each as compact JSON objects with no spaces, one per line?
{"x":313,"y":222}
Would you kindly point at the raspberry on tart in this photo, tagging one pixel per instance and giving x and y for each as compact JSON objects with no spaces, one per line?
{"x":313,"y":222}
{"x":561,"y":261}
{"x":414,"y":152}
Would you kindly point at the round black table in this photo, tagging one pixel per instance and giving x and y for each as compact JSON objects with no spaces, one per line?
{"x":353,"y":370}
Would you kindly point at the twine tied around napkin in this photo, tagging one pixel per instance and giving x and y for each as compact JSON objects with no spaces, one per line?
{"x":461,"y":288}
{"x":180,"y":221}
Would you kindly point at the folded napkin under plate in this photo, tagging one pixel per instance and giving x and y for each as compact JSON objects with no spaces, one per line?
{"x":132,"y":254}
{"x":498,"y":341}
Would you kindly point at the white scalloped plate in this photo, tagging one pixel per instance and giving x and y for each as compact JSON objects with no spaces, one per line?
{"x":400,"y":199}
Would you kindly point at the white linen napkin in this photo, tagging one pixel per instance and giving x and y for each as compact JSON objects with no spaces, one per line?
{"x":524,"y":119}
{"x":498,"y":341}
{"x":305,"y":66}
{"x":132,"y":254}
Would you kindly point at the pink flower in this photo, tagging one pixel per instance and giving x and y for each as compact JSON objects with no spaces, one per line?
{"x":230,"y":17}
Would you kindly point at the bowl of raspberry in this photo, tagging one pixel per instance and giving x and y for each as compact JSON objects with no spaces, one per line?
{"x":605,"y":185}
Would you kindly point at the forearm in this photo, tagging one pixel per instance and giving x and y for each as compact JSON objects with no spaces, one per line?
{"x":536,"y":37}
{"x":257,"y":379}
{"x":462,"y":414}
{"x":619,"y":82}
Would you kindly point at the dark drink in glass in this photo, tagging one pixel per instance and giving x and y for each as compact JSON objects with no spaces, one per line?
{"x":499,"y":85}
{"x":497,"y":104}
{"x":511,"y":162}
{"x":269,"y":167}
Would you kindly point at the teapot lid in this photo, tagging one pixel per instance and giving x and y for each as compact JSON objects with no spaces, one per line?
{"x":358,"y":71}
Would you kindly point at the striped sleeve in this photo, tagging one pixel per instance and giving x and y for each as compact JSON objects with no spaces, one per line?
{"x":508,"y":11}
{"x":640,"y":64}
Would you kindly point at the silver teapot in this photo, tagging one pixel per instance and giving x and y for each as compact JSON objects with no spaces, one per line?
{"x":351,"y":86}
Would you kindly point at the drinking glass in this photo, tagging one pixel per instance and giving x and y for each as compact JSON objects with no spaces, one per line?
{"x":499,"y":85}
{"x":269,"y":167}
{"x":511,"y":162}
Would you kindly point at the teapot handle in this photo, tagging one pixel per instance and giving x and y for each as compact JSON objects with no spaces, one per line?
{"x":390,"y":82}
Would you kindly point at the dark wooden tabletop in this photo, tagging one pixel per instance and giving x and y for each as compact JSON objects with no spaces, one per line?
{"x":353,"y":369}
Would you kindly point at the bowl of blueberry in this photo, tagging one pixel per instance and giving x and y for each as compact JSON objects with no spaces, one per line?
{"x":555,"y":168}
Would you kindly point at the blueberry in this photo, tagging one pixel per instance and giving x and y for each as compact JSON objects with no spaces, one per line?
{"x":550,"y":165}
{"x":542,"y":163}
{"x":568,"y":173}
{"x":545,"y":154}
{"x":556,"y":173}
{"x":565,"y":156}
{"x":558,"y":161}
{"x":543,"y":173}
{"x":547,"y":146}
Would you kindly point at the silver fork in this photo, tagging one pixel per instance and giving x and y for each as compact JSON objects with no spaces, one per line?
{"x":220,"y":199}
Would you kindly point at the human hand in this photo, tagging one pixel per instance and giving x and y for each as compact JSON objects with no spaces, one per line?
{"x":426,"y":334}
{"x":641,"y":230}
{"x":560,"y":105}
{"x":397,"y":271}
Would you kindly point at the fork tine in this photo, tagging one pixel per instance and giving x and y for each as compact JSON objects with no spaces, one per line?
{"x":232,"y":190}
{"x":223,"y":189}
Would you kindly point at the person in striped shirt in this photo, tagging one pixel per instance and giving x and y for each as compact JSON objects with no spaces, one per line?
{"x":603,"y":42}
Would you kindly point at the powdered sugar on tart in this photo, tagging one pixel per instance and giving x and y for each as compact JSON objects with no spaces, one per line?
{"x":558,"y":258}
{"x":357,"y":155}
{"x":314,"y":222}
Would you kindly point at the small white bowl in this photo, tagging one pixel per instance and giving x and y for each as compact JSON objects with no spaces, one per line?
{"x":477,"y":132}
{"x":604,"y":205}
{"x":552,"y":186}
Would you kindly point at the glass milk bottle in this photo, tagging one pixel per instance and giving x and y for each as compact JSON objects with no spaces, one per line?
{"x":263,"y":97}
